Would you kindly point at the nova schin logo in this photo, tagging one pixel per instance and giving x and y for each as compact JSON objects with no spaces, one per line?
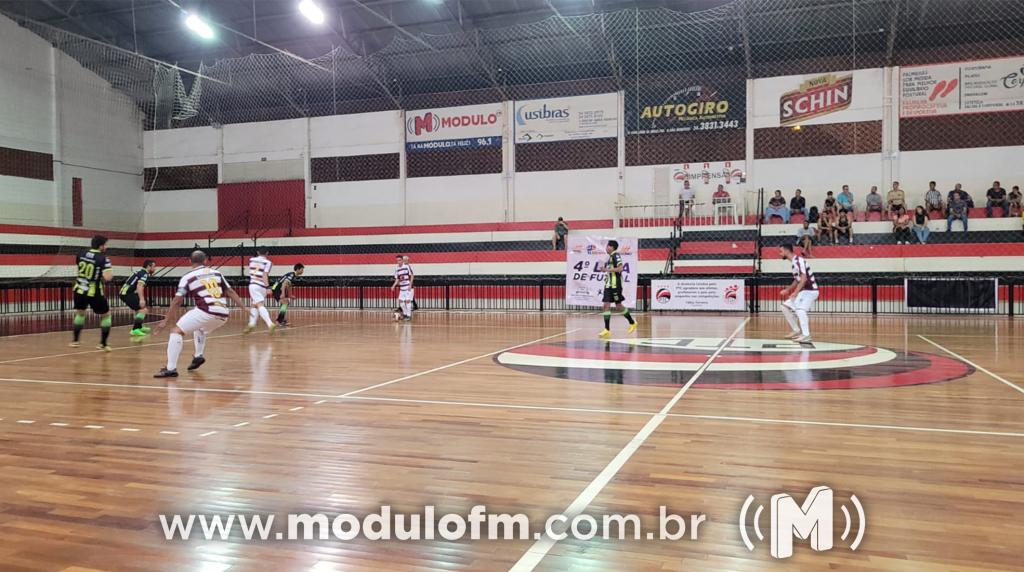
{"x":811,"y":521}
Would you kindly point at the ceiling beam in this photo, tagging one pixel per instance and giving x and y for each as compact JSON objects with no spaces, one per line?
{"x":483,"y":54}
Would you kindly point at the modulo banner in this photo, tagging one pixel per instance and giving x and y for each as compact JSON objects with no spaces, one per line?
{"x":567,"y":118}
{"x":454,"y":127}
{"x":584,"y":269}
{"x":698,"y":295}
{"x":964,"y":87}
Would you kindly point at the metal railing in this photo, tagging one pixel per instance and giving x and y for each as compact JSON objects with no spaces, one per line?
{"x":687,"y":212}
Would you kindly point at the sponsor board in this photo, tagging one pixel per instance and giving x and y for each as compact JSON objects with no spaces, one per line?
{"x":814,"y":99}
{"x":698,"y":295}
{"x":454,"y":127}
{"x":701,"y":180}
{"x":694,"y":107}
{"x":964,"y":87}
{"x":567,"y":118}
{"x":584,"y":269}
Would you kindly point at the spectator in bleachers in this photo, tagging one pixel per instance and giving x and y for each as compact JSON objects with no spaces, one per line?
{"x":845,"y":200}
{"x":901,"y":225}
{"x":933,"y":198}
{"x":827,"y":226}
{"x":1015,"y":201}
{"x":687,"y":198}
{"x":830,"y":203}
{"x":958,"y":188}
{"x":896,"y":199}
{"x":996,"y":196}
{"x":805,"y":237}
{"x":957,"y":211}
{"x":776,"y":207}
{"x":813,"y":215}
{"x":798,"y":204}
{"x":558,"y":239}
{"x":721,"y":196}
{"x":920,"y":223}
{"x":874,"y":201}
{"x":844,"y":227}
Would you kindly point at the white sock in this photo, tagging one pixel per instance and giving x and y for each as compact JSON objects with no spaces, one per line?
{"x":252,"y":317}
{"x":407,"y":309}
{"x":199,"y":337}
{"x":266,"y":316}
{"x":790,"y":318}
{"x":805,"y":328}
{"x":174,"y":350}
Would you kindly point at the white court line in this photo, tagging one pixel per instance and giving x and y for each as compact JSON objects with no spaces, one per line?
{"x":972,"y":364}
{"x":208,"y":433}
{"x":163,"y":387}
{"x":130,"y":429}
{"x":502,"y":405}
{"x":271,"y":416}
{"x":300,"y":408}
{"x":240,"y":425}
{"x":467,"y":360}
{"x":25,"y":421}
{"x":541,"y":547}
{"x":168,"y":432}
{"x":321,"y":401}
{"x":94,"y":427}
{"x":58,"y":424}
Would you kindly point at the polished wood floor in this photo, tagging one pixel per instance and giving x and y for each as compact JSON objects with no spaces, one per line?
{"x":347,"y":411}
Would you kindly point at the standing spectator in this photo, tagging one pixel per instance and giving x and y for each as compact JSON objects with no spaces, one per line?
{"x":687,"y":198}
{"x":996,"y":196}
{"x":901,"y":225}
{"x":933,"y":198}
{"x":957,"y":211}
{"x":844,"y":227}
{"x":845,"y":201}
{"x":874,"y":201}
{"x":776,"y":207}
{"x":958,"y":188}
{"x":827,"y":226}
{"x":894,"y":201}
{"x":830,"y":203}
{"x":721,"y":196}
{"x":920,"y":223}
{"x":558,"y":239}
{"x":805,"y":237}
{"x":1015,"y":201}
{"x":798,"y":204}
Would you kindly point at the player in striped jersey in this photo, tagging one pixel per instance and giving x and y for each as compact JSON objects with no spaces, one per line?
{"x":403,"y":281}
{"x":207,"y":288}
{"x":259,"y":283}
{"x":133,"y":294}
{"x":799,"y":296}
{"x":282,"y":291}
{"x":93,"y":271}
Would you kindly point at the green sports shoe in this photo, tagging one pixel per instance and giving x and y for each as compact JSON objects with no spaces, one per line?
{"x":145,"y":329}
{"x":139,"y":332}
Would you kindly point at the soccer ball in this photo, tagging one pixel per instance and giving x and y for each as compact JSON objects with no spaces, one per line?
{"x":398,"y":315}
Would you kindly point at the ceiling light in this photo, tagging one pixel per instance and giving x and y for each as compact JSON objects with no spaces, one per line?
{"x":199,"y":26}
{"x":311,"y":11}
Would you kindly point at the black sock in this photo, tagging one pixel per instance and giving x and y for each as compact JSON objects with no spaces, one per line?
{"x":607,"y":320}
{"x":280,"y":316}
{"x":629,"y":318}
{"x":104,"y":334}
{"x":78,"y":331}
{"x":137,"y":323}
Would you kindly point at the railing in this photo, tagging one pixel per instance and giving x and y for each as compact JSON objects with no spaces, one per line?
{"x":688,"y":213}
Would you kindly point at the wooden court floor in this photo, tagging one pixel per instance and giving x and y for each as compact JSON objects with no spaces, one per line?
{"x":919,"y":417}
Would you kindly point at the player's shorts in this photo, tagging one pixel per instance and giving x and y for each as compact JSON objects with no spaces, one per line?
{"x":405,"y":295}
{"x":804,"y":300}
{"x":257,"y":293}
{"x":277,"y":294}
{"x":98,"y":304}
{"x":132,"y":301}
{"x":613,"y":296}
{"x":196,"y":319}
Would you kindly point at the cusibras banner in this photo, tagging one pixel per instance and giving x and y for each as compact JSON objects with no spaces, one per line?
{"x":964,"y":87}
{"x":584,"y":269}
{"x":686,"y":107}
{"x":567,"y":118}
{"x":715,"y":295}
{"x":454,"y":127}
{"x":814,"y":99}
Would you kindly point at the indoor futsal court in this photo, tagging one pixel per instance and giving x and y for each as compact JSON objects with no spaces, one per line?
{"x":511,"y":285}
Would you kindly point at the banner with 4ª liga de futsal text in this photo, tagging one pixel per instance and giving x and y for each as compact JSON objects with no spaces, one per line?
{"x":584,"y":269}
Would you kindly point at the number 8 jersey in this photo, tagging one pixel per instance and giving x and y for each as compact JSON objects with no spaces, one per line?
{"x":206,"y":287}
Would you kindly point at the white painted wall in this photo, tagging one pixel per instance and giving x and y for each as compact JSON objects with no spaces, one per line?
{"x":359,"y":203}
{"x":186,"y":210}
{"x":581,"y":194}
{"x":185,"y":146}
{"x":357,"y":134}
{"x":465,"y":199}
{"x":814,"y":176}
{"x":974,"y":168}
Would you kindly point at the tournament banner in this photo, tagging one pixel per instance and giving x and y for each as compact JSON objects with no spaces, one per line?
{"x":964,"y":87}
{"x":694,"y":107}
{"x":702,"y":179}
{"x":698,"y":295}
{"x":584,"y":269}
{"x":815,"y":99}
{"x":454,"y":127}
{"x":567,"y":118}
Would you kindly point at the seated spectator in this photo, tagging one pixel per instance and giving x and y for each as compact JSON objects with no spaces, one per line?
{"x":813,"y":215}
{"x":827,"y":226}
{"x":1015,"y":201}
{"x":845,"y":201}
{"x":933,"y":199}
{"x":798,"y":204}
{"x":721,"y":196}
{"x":558,"y":239}
{"x":901,"y":225}
{"x":805,"y":237}
{"x":874,"y":201}
{"x":963,"y":195}
{"x":957,"y":211}
{"x":776,"y":207}
{"x":996,"y":196}
{"x":830,"y":203}
{"x":920,"y":223}
{"x":687,"y":198}
{"x":844,"y":227}
{"x":896,"y":199}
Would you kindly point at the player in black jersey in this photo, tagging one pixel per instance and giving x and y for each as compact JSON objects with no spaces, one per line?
{"x":93,"y":271}
{"x":613,"y":289}
{"x":281,"y":289}
{"x":133,"y":294}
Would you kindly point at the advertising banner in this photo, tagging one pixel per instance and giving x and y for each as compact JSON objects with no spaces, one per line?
{"x":567,"y":118}
{"x":700,"y":180}
{"x":694,"y":107}
{"x":584,"y":269}
{"x":815,"y":99}
{"x":962,"y":87}
{"x":454,"y":127}
{"x":698,"y":295}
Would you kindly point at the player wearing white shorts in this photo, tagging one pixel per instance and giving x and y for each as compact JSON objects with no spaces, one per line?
{"x":259,"y":286}
{"x":799,"y":296}
{"x":207,"y":288}
{"x":403,"y":281}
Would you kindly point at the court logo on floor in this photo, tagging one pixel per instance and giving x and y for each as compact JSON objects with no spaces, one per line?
{"x":810,"y":521}
{"x":744,"y":363}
